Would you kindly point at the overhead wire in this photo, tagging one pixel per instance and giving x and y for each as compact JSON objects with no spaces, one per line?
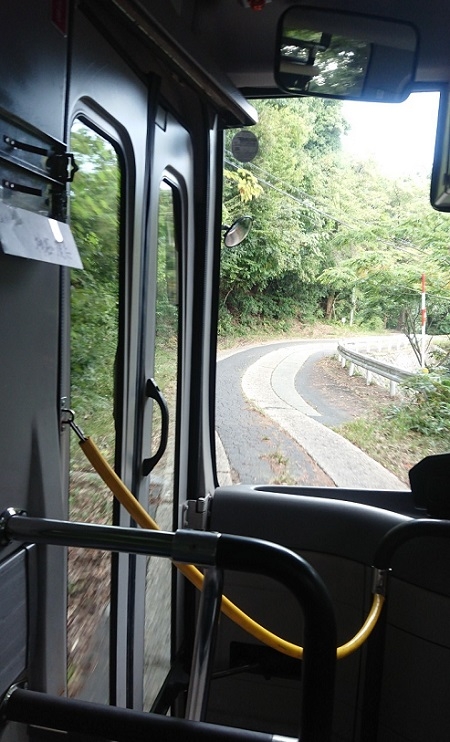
{"x":310,"y":206}
{"x":408,"y":249}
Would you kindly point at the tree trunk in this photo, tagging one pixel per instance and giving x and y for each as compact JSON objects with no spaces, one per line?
{"x":330,"y":306}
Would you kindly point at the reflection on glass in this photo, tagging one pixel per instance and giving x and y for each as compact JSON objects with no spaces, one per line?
{"x":159,"y":571}
{"x":345,"y":55}
{"x":94,"y":205}
{"x":318,"y":62}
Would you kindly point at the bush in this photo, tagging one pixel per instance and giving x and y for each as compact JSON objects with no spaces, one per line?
{"x":427,"y":408}
{"x":375,"y":324}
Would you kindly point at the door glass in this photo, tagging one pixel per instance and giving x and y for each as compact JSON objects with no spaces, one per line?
{"x":162,"y":478}
{"x":95,"y":197}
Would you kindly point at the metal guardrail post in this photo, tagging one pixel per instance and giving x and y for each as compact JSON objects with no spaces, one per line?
{"x":372,"y":366}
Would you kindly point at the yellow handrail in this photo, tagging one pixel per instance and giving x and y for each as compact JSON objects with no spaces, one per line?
{"x":142,"y":518}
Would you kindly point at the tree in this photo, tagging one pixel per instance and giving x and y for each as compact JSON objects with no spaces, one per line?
{"x":287,"y":247}
{"x":94,"y":203}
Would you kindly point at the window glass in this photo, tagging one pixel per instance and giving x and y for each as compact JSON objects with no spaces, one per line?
{"x":162,"y":478}
{"x":344,"y":249}
{"x":94,"y":207}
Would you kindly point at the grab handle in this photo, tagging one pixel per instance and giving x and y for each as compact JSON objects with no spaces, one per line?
{"x":153,"y":391}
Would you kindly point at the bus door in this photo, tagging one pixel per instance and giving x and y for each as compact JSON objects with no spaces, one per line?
{"x":166,"y":377}
{"x":107,"y":124}
{"x":132,"y":214}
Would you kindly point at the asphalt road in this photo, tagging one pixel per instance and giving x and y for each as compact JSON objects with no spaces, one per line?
{"x":330,"y":413}
{"x":273,"y":421}
{"x":257,"y":449}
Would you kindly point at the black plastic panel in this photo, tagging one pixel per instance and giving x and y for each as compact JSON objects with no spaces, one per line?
{"x":13,"y":619}
{"x":394,"y":500}
{"x":33,"y":65}
{"x":342,"y":528}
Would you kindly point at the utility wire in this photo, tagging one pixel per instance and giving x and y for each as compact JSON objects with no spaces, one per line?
{"x":311,"y":207}
{"x":409,"y":249}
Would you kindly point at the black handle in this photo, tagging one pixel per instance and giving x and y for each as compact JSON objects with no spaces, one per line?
{"x":153,"y":392}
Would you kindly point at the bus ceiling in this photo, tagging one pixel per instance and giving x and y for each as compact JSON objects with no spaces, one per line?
{"x":139,"y":28}
{"x":241,"y":43}
{"x":226,"y":50}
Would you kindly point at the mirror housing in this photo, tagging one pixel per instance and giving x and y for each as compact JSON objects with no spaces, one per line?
{"x":335,"y":54}
{"x":440,"y":176}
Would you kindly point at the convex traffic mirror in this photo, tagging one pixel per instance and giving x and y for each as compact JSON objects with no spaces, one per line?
{"x":234,"y":235}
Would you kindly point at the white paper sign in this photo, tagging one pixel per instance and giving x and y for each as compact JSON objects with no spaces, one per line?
{"x":36,"y":237}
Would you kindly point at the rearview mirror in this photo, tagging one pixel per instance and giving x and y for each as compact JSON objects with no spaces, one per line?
{"x":334,"y":54}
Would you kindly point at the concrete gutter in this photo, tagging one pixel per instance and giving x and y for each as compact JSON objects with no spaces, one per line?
{"x":269,"y":385}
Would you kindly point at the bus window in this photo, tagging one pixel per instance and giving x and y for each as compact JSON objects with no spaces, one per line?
{"x":162,"y":478}
{"x":95,"y":198}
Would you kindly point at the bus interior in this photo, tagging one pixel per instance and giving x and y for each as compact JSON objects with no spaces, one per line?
{"x":144,"y":93}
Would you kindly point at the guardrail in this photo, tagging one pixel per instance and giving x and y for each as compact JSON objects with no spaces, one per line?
{"x":372,"y":366}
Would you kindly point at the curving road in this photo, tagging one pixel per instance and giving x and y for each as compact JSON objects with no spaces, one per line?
{"x":272,"y":423}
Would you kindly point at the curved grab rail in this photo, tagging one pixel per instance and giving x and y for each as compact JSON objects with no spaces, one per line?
{"x":404,"y":532}
{"x":113,"y":722}
{"x":224,"y":552}
{"x":393,"y":540}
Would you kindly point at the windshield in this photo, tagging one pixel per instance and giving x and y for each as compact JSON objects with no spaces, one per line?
{"x":345,"y":257}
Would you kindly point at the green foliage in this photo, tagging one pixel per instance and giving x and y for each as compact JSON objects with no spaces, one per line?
{"x":247,"y":185}
{"x":167,"y":269}
{"x":383,"y":262}
{"x":94,"y":341}
{"x":427,"y":409}
{"x":355,"y":241}
{"x":95,"y":203}
{"x":384,"y":438}
{"x":287,"y":245}
{"x":94,"y":291}
{"x":94,"y":207}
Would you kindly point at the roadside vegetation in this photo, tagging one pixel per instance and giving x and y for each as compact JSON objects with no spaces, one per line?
{"x":400,"y":432}
{"x":394,"y":445}
{"x":333,"y":238}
